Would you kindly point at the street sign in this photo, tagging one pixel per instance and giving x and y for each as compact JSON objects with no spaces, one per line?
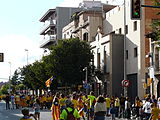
{"x":125,"y":83}
{"x":86,"y":86}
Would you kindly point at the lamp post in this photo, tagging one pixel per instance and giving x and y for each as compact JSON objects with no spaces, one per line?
{"x":9,"y":77}
{"x":27,"y":55}
{"x":86,"y":79}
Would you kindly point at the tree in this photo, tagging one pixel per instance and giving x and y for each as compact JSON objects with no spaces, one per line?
{"x":33,"y":76}
{"x":67,"y":60}
{"x":15,"y":81}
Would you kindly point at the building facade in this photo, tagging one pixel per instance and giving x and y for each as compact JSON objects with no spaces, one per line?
{"x":54,"y":20}
{"x":136,"y":47}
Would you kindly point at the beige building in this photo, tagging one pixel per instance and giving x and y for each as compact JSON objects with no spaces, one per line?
{"x":84,"y":24}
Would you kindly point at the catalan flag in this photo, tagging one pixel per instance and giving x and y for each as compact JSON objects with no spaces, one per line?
{"x":49,"y":81}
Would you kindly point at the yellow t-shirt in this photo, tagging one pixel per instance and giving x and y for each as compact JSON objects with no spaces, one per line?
{"x":108,"y":102}
{"x":62,"y":101}
{"x":92,"y":98}
{"x":75,"y":103}
{"x":49,"y":99}
{"x":117,"y":102}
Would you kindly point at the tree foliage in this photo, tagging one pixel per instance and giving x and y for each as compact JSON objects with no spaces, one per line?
{"x":67,"y":60}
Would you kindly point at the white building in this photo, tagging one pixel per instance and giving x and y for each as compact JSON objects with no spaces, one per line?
{"x":115,"y":24}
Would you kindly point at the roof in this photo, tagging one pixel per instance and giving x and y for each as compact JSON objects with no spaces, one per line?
{"x":107,"y":7}
{"x":47,"y":14}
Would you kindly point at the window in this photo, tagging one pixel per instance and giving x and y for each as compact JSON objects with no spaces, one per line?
{"x":98,"y":60}
{"x":126,"y":54}
{"x":64,"y":36}
{"x":126,"y":29}
{"x":135,"y":52}
{"x":85,"y":37}
{"x":135,"y":25}
{"x":120,"y":30}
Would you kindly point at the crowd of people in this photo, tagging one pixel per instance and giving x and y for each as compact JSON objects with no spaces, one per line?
{"x":87,"y":107}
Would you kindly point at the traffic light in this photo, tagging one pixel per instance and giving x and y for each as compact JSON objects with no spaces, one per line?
{"x":136,"y":9}
{"x":1,"y":57}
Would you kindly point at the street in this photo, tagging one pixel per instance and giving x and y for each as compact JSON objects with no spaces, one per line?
{"x":15,"y":114}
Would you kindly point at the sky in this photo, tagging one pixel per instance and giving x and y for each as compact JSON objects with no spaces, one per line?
{"x":20,"y":28}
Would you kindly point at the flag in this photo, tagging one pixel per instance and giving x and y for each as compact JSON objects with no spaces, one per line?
{"x":49,"y":81}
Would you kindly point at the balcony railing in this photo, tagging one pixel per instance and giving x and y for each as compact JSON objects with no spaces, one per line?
{"x":48,"y":39}
{"x":48,"y":24}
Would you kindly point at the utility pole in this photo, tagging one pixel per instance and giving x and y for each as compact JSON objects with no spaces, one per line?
{"x":125,"y":88}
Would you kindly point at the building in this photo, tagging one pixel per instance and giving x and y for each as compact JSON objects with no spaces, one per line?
{"x":85,"y":23}
{"x":109,"y":60}
{"x":136,"y":47}
{"x":54,"y":20}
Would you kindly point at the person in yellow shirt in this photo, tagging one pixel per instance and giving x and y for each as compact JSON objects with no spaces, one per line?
{"x":44,"y":100}
{"x":137,"y":105}
{"x":62,"y":102}
{"x":108,"y":103}
{"x":49,"y":101}
{"x":81,"y":106}
{"x":17,"y":101}
{"x":92,"y":100}
{"x":117,"y":104}
{"x":155,"y":111}
{"x":74,"y":101}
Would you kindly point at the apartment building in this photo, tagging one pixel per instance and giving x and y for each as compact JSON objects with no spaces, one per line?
{"x":54,"y":20}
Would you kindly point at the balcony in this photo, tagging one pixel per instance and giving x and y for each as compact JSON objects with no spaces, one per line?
{"x":48,"y":40}
{"x":48,"y":27}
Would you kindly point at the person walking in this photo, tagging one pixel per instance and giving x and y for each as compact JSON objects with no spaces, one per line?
{"x":127,"y":108}
{"x":36,"y":107}
{"x":7,"y":100}
{"x":147,"y":108}
{"x":108,"y":104}
{"x":122,"y":106}
{"x":155,"y":111}
{"x":113,"y":111}
{"x":117,"y":104}
{"x":137,"y":105}
{"x":92,"y":100}
{"x":100,"y":109}
{"x":12,"y":101}
{"x":55,"y":108}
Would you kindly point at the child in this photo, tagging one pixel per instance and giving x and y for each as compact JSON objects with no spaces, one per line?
{"x":36,"y":107}
{"x":26,"y":115}
{"x":113,"y":111}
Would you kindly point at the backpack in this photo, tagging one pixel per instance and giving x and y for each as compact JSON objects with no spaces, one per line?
{"x":70,"y":115}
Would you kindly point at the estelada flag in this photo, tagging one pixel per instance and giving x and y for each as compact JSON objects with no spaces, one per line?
{"x":49,"y":81}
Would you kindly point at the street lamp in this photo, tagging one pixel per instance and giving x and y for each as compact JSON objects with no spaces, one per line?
{"x":9,"y":76}
{"x":86,"y":79}
{"x":27,"y":55}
